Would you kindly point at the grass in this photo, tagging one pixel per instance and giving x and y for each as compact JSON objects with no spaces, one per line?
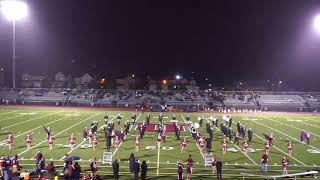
{"x":64,"y":122}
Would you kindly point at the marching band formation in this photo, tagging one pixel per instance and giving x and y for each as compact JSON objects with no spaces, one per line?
{"x":204,"y":144}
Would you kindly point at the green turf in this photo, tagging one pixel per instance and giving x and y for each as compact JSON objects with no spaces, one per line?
{"x":64,"y":122}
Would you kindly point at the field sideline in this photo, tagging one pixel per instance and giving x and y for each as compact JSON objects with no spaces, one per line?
{"x":63,"y":122}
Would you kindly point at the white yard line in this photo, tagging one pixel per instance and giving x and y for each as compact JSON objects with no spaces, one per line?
{"x":196,"y":141}
{"x":311,"y":119}
{"x":36,"y":128}
{"x":116,"y":150}
{"x":59,"y":133}
{"x":31,"y":119}
{"x":158,"y":160}
{"x":291,"y":126}
{"x":309,"y":124}
{"x":8,"y":112}
{"x":235,"y":145}
{"x":284,"y":134}
{"x":13,"y":117}
{"x":83,"y":141}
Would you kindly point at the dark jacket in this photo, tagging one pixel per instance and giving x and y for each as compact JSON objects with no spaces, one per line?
{"x":115,"y":166}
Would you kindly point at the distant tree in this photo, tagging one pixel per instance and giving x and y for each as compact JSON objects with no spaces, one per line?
{"x":71,"y":84}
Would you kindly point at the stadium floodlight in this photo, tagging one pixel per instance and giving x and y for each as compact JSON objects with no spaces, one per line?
{"x":14,"y":10}
{"x":316,"y":23}
{"x":178,"y":77}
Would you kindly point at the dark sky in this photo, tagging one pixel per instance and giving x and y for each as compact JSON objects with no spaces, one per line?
{"x":224,"y":40}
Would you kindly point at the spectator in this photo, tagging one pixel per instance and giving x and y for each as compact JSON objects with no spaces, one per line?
{"x":77,"y":171}
{"x":15,"y":164}
{"x":144,"y":169}
{"x":136,"y":170}
{"x":66,"y":161}
{"x":189,"y":172}
{"x":132,"y":160}
{"x":70,"y":168}
{"x":38,"y":157}
{"x":180,"y":170}
{"x":86,"y":176}
{"x":94,"y":168}
{"x":190,"y":161}
{"x":40,"y":177}
{"x":115,"y":169}
{"x":51,"y":169}
{"x":219,"y":169}
{"x":41,"y":164}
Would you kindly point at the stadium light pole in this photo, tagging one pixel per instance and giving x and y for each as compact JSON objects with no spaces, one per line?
{"x":14,"y":10}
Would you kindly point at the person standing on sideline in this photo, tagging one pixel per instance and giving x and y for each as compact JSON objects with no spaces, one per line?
{"x":132,"y":160}
{"x":115,"y":169}
{"x":144,"y":169}
{"x":285,"y":164}
{"x":264,"y":162}
{"x":94,"y":169}
{"x":189,"y":172}
{"x":136,"y":169}
{"x":77,"y":171}
{"x":180,"y":170}
{"x":219,"y":169}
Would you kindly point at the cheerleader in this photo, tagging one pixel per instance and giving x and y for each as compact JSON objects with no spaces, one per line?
{"x":90,"y":135}
{"x":50,"y":142}
{"x":184,"y":145}
{"x":117,"y":142}
{"x":72,"y":142}
{"x":201,"y":143}
{"x":224,"y":146}
{"x":245,"y":147}
{"x":285,"y":164}
{"x":10,"y":141}
{"x":137,"y":143}
{"x":28,"y":140}
{"x":213,"y":165}
{"x":159,"y":138}
{"x":289,"y":148}
{"x":267,"y":147}
{"x":94,"y":142}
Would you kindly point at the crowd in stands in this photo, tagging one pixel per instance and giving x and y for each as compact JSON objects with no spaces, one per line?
{"x":149,"y":98}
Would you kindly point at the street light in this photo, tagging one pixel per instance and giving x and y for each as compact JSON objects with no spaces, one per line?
{"x":178,"y":77}
{"x":14,"y":10}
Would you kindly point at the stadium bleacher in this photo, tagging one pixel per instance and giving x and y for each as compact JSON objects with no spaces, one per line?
{"x":268,"y":101}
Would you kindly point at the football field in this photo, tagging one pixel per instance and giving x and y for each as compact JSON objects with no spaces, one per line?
{"x":161,"y":160}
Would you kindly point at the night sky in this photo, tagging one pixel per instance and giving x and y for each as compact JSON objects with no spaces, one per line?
{"x":224,"y":40}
